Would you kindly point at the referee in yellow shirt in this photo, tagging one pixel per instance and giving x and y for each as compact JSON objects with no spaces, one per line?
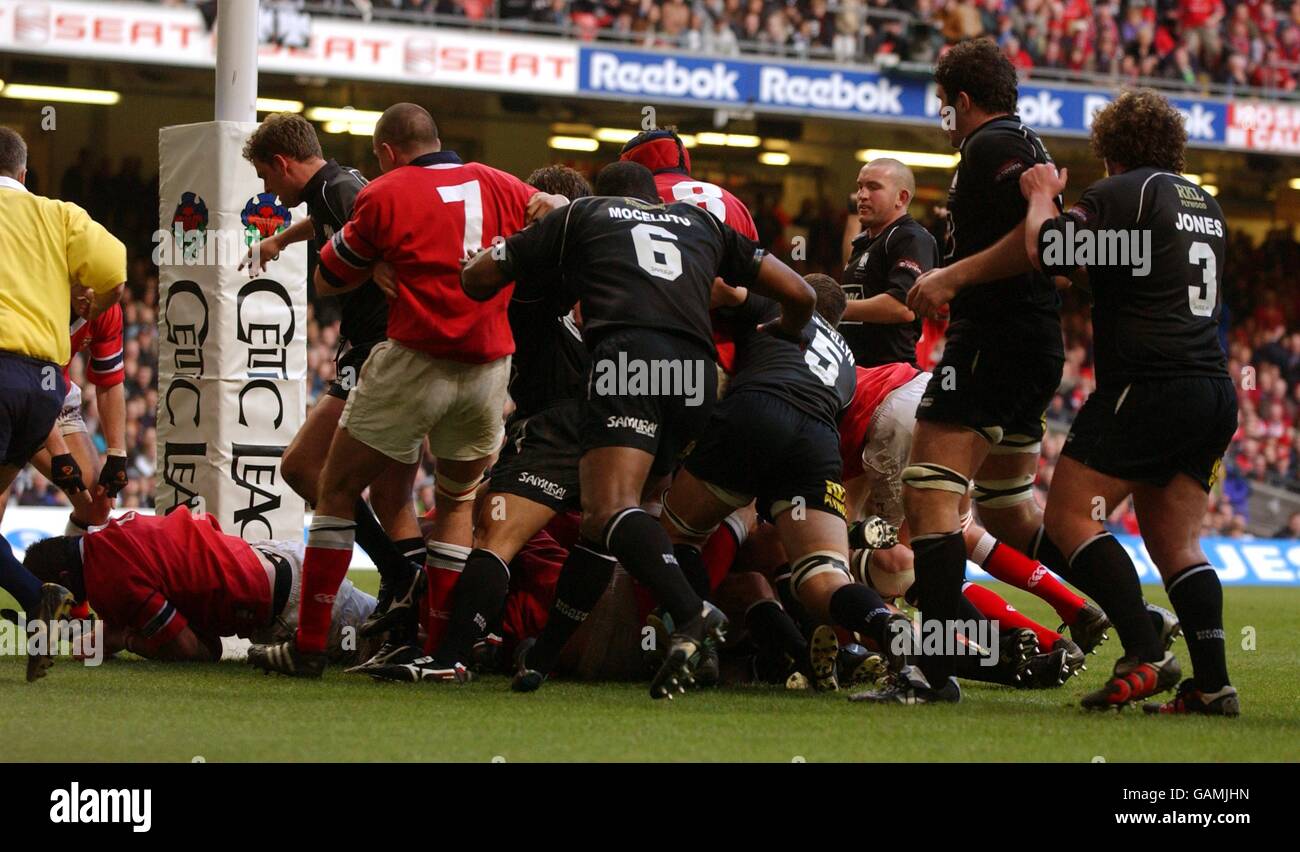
{"x":47,"y":248}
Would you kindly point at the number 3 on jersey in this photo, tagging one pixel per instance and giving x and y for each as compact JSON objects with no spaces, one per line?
{"x":1201,"y":297}
{"x":701,"y":194}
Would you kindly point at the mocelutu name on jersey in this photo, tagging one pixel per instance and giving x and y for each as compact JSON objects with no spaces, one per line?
{"x":646,"y":216}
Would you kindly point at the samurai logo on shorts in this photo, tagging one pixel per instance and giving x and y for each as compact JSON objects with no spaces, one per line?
{"x":637,"y":424}
{"x":834,"y":498}
{"x":264,"y":216}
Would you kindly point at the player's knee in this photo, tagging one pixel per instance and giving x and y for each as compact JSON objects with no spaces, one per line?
{"x":929,"y":489}
{"x":679,"y":529}
{"x":299,"y":474}
{"x":1004,"y":493}
{"x":813,"y":576}
{"x":451,"y":493}
{"x":1065,"y":527}
{"x":889,"y":572}
{"x":747,"y":587}
{"x":592,"y":525}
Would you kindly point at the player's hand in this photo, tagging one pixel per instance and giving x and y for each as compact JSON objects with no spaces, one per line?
{"x":1043,"y":179}
{"x":260,"y":254}
{"x":385,"y":277}
{"x":778,"y":328}
{"x":66,"y":474}
{"x":723,"y":295}
{"x":82,"y":301}
{"x":542,"y":203}
{"x":932,"y":292}
{"x":112,"y":478}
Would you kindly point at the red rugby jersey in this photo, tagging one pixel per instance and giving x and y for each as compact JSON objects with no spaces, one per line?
{"x":874,"y":384}
{"x":158,"y":574}
{"x":104,"y":332}
{"x":423,"y":218}
{"x":679,"y":186}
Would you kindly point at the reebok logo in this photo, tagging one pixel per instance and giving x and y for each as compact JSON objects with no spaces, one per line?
{"x":324,"y":599}
{"x":778,"y":86}
{"x":1040,"y":110}
{"x":133,"y":807}
{"x":1039,"y":573}
{"x":714,"y":82}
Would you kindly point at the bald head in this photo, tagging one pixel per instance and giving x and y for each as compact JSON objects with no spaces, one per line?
{"x":404,"y":132}
{"x":900,"y":174}
{"x":885,"y":189}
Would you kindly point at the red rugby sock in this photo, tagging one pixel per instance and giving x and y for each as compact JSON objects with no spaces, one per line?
{"x":992,"y":606}
{"x":329,"y":553}
{"x":1013,"y":567}
{"x":443,"y":566}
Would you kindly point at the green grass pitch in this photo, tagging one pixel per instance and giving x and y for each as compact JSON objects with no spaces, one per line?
{"x":136,"y":710}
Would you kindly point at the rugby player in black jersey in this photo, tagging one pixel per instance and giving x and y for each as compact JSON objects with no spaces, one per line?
{"x":1151,"y":245}
{"x":773,"y":437}
{"x":892,"y":251}
{"x":643,"y":272}
{"x":286,"y":153}
{"x":982,"y":414}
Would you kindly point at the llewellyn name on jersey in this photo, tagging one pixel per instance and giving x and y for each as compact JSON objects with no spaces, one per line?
{"x":133,"y":807}
{"x":657,"y":377}
{"x":1071,"y":246}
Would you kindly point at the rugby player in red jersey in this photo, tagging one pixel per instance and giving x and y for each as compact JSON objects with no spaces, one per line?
{"x":169,"y":587}
{"x":442,"y":373}
{"x":662,"y":152}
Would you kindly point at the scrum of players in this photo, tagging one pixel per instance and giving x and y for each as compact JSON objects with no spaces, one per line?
{"x":662,"y":454}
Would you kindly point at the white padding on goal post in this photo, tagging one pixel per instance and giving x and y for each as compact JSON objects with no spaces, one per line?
{"x":232,"y":353}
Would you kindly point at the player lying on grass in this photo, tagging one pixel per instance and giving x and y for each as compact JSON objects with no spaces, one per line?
{"x":169,"y":587}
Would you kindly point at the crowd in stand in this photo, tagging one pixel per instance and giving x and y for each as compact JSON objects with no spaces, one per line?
{"x":1237,"y":43}
{"x":1263,"y":302}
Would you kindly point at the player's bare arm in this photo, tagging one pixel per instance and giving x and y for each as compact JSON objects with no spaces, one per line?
{"x":883,"y":309}
{"x":778,"y":281}
{"x":483,"y":276}
{"x":263,"y":252}
{"x":111,"y":402}
{"x":103,"y":301}
{"x":325,"y":288}
{"x":187,"y":647}
{"x":542,"y":203}
{"x":938,"y":287}
{"x":1040,"y":185}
